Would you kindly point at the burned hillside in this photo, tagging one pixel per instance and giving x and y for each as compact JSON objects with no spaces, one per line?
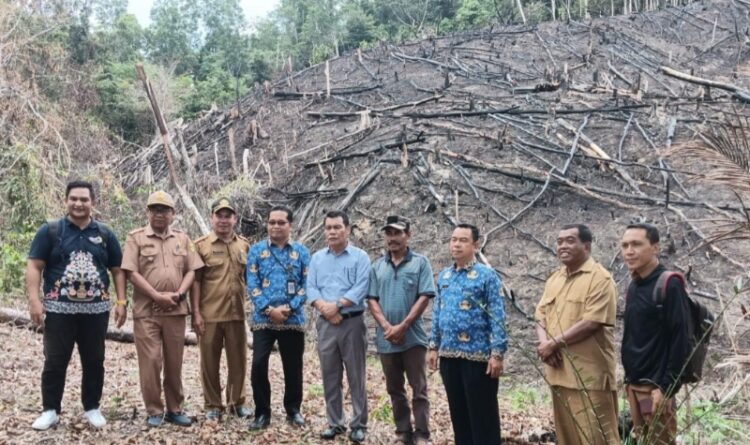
{"x":518,"y":129}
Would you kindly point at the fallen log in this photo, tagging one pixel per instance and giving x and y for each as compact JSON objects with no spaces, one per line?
{"x":21,"y":319}
{"x":337,"y":91}
{"x":738,"y":92}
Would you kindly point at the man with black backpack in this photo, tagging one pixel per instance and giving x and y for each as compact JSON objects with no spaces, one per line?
{"x":71,"y":257}
{"x":656,"y":344}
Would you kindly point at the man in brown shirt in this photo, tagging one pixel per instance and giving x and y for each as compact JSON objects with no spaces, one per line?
{"x":161,"y":264}
{"x":218,"y":302}
{"x":576,"y":319}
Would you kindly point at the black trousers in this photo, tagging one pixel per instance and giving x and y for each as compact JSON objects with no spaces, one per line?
{"x":472,"y":400}
{"x":61,"y":332}
{"x":291,"y":349}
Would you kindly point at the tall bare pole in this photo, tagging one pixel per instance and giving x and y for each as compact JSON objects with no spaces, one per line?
{"x":186,"y":199}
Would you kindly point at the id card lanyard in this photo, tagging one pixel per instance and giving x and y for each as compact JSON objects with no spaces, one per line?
{"x":291,"y":284}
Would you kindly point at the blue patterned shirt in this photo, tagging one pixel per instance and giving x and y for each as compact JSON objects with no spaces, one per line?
{"x":468,"y":315}
{"x":269,"y":269}
{"x":335,"y":276}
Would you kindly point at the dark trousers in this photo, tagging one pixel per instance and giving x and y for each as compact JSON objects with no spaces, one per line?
{"x":291,"y":348}
{"x":472,"y":400}
{"x":412,"y":363}
{"x":61,"y":332}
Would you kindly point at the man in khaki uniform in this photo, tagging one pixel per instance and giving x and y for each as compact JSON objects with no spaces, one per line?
{"x":218,"y":302}
{"x":161,"y":264}
{"x":576,"y":319}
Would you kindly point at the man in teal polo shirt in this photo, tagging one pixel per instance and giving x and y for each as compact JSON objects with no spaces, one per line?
{"x":401,"y":286}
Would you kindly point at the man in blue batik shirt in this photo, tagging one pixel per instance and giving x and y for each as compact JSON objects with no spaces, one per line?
{"x":469,"y":340}
{"x":276,"y":274}
{"x":336,"y":288}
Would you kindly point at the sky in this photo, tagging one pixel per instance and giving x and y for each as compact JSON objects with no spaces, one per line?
{"x":254,"y":9}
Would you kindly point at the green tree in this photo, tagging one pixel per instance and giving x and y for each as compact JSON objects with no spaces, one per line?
{"x":108,"y":12}
{"x":173,"y":37}
{"x":122,"y":42}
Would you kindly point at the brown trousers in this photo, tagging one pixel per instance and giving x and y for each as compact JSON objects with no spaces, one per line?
{"x":411,"y":362}
{"x":650,"y":427}
{"x":585,"y":417}
{"x":232,"y":337}
{"x":160,"y":340}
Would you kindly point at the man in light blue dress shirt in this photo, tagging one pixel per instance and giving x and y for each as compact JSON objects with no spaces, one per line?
{"x":337,"y":284}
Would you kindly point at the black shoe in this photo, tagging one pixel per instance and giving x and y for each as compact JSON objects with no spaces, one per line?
{"x":178,"y":418}
{"x":296,"y":419}
{"x":241,"y":412}
{"x":357,"y":435}
{"x":260,"y":422}
{"x":331,"y":432}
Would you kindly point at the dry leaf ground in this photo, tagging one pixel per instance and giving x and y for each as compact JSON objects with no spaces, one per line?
{"x":522,"y":403}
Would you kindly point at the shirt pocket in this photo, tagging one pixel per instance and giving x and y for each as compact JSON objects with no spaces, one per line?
{"x":215,"y":259}
{"x":240,"y":258}
{"x":409,"y":283}
{"x":147,"y":257}
{"x":180,"y":257}
{"x":573,"y":308}
{"x":348,"y":276}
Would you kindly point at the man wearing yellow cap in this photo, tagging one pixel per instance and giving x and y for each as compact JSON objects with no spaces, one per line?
{"x":218,"y":303}
{"x":161,"y":263}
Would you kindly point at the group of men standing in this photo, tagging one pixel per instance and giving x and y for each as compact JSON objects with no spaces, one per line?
{"x":468,"y":340}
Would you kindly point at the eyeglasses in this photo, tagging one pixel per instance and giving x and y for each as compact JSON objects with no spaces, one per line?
{"x":159,"y":209}
{"x":277,"y":223}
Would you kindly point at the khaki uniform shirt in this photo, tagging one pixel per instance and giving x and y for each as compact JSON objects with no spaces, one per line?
{"x":222,"y":279}
{"x":588,"y":294}
{"x":163,"y":261}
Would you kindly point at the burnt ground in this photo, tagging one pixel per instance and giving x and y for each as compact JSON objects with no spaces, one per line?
{"x":516,"y":129}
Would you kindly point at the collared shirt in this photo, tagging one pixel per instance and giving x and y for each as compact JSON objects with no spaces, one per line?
{"x":587,"y":294}
{"x":468,"y":314}
{"x":335,"y":276}
{"x":269,"y":271}
{"x":397,"y":289}
{"x":222,"y":279}
{"x":75,"y":278}
{"x":163,"y":260}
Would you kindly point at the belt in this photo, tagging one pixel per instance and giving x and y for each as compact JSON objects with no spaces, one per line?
{"x":352,"y":314}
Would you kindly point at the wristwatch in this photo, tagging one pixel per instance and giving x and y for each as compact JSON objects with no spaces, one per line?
{"x":268,"y":310}
{"x":339,"y":305}
{"x":122,"y":303}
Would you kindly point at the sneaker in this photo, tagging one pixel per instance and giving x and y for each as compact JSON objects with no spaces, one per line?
{"x":95,"y":418}
{"x":241,"y":412}
{"x":213,"y":415}
{"x":155,"y":420}
{"x":46,"y":420}
{"x":178,"y":418}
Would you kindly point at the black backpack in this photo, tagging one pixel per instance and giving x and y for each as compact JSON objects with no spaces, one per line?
{"x":700,"y":325}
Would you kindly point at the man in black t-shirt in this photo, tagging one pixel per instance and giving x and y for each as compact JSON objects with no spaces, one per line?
{"x":71,"y":257}
{"x":655,"y":343}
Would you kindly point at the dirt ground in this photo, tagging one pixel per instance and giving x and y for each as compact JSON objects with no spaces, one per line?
{"x":20,"y":399}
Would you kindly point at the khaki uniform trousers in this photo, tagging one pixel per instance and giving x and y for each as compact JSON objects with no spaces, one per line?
{"x":232,"y":337}
{"x":160,"y":340}
{"x":647,"y":428}
{"x":585,"y":418}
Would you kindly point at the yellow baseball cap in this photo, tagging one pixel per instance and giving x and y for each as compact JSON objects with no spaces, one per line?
{"x":161,"y":198}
